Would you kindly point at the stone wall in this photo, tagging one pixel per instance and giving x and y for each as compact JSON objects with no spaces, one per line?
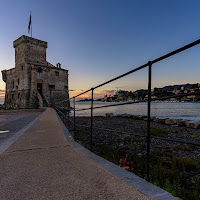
{"x":17,"y":87}
{"x":54,"y":82}
{"x":17,"y":99}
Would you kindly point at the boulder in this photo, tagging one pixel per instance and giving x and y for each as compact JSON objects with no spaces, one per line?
{"x":136,"y":117}
{"x":142,"y":117}
{"x":126,"y":115}
{"x":153,"y":119}
{"x":170,"y":121}
{"x":109,"y":114}
{"x":162,"y":121}
{"x":181,"y":123}
{"x":193,"y":125}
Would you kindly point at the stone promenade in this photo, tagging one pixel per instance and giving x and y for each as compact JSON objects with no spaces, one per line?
{"x":13,"y":121}
{"x":41,"y":164}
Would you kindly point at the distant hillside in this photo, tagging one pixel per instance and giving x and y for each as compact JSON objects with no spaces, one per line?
{"x":171,"y":87}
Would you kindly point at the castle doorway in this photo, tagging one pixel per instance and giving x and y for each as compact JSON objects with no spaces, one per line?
{"x":39,"y":87}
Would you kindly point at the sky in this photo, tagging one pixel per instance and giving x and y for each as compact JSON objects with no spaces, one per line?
{"x":97,"y":40}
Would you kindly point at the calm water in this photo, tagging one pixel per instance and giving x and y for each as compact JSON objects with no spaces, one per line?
{"x":186,"y":111}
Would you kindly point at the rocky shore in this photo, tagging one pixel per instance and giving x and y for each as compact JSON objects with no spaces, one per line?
{"x":174,"y":166}
{"x":168,"y":121}
{"x":130,"y":126}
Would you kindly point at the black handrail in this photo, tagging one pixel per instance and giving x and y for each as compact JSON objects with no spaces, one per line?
{"x":149,"y":100}
{"x":139,"y":135}
{"x":142,"y":101}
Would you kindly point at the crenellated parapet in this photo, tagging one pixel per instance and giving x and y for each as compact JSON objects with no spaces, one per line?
{"x":25,"y":39}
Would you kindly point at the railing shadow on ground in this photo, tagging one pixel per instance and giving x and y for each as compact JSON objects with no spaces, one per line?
{"x":72,"y":125}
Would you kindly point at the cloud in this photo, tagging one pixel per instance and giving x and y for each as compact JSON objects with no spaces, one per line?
{"x":108,"y":91}
{"x":102,"y":93}
{"x":2,"y":93}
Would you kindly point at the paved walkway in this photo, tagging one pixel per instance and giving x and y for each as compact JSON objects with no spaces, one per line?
{"x":41,"y":164}
{"x":11,"y":122}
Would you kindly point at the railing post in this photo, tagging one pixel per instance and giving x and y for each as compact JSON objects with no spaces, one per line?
{"x":68,"y":112}
{"x":148,"y":122}
{"x":65,"y":112}
{"x":74,"y":116}
{"x":91,"y":124}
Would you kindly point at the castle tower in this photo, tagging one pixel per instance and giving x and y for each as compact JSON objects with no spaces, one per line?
{"x":28,"y":50}
{"x":33,"y":82}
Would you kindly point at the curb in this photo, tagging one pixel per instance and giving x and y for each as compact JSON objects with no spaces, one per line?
{"x":148,"y":189}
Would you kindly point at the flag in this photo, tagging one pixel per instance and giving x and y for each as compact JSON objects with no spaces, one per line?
{"x":29,"y":25}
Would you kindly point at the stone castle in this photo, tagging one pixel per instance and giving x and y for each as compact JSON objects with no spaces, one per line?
{"x":34,"y":82}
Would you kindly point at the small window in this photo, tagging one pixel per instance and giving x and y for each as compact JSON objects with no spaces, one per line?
{"x":22,"y":68}
{"x":39,"y":69}
{"x":52,"y":86}
{"x":18,"y":95}
{"x":13,"y":84}
{"x":18,"y":81}
{"x":56,"y":73}
{"x":12,"y":96}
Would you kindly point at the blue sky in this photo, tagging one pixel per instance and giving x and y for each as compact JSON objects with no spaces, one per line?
{"x":97,"y":40}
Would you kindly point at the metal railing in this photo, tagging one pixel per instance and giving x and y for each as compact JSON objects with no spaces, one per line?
{"x":61,"y":108}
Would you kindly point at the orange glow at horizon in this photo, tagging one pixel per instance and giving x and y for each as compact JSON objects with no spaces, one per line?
{"x":97,"y":94}
{"x":2,"y":94}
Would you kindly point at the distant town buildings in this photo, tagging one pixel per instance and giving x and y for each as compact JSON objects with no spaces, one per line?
{"x":122,"y":95}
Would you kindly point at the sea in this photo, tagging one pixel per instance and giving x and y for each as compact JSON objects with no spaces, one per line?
{"x":172,"y":110}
